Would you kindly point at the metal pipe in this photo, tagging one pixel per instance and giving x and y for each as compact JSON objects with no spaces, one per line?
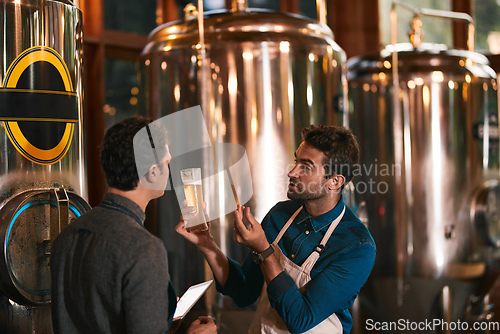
{"x":398,"y":155}
{"x":454,"y":16}
{"x":321,"y":8}
{"x":203,"y":56}
{"x":205,"y":79}
{"x":239,"y":6}
{"x":443,"y":14}
{"x":447,"y":307}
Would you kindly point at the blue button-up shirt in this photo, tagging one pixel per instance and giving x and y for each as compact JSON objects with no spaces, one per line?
{"x":336,"y":278}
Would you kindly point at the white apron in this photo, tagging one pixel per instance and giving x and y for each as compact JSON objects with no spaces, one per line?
{"x":266,"y":319}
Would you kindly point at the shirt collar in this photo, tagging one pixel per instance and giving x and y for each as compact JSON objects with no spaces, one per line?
{"x":126,"y":203}
{"x":320,"y":222}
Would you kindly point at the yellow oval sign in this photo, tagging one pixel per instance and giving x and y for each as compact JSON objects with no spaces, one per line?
{"x":38,"y":105}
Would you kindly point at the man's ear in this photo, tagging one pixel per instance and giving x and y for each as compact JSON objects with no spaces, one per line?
{"x":152,"y":174}
{"x":336,"y":182}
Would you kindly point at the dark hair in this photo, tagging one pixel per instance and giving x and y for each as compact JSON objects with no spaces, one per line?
{"x":339,"y":146}
{"x":117,"y":153}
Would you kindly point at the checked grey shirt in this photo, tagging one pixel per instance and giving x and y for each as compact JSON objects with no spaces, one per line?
{"x":109,"y":274}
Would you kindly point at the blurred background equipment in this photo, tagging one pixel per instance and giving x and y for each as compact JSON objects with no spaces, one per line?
{"x":426,"y":118}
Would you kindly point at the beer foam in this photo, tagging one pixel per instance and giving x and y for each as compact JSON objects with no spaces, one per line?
{"x":192,"y":182}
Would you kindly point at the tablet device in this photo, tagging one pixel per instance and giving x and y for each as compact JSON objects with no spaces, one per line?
{"x":189,"y":298}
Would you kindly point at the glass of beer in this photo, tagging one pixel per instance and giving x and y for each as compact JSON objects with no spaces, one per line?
{"x":191,"y":179}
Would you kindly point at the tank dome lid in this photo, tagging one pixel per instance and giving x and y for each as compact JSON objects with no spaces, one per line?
{"x":426,"y":57}
{"x":254,"y":24}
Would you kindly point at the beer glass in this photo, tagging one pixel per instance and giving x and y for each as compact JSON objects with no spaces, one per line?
{"x":191,"y":179}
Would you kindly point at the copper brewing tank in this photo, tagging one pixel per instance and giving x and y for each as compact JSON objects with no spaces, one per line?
{"x":260,"y":77}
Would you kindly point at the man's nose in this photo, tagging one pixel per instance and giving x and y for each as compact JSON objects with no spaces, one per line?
{"x":294,"y":172}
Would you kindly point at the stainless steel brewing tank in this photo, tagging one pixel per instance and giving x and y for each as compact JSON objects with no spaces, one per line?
{"x":428,"y":176}
{"x":42,"y":138}
{"x":268,"y":75}
{"x":42,"y":166}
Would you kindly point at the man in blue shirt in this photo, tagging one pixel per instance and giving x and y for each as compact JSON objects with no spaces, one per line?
{"x":322,"y":253}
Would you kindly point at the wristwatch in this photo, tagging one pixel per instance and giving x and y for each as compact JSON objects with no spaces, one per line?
{"x":260,"y":257}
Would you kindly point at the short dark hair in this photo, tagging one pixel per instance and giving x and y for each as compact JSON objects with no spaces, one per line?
{"x":117,"y":153}
{"x":339,"y":146}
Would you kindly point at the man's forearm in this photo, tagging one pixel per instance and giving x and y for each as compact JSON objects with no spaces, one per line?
{"x":217,"y":261}
{"x":270,"y":268}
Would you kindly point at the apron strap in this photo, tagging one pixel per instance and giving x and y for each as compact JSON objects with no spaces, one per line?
{"x":287,"y":225}
{"x":332,"y":227}
{"x":313,"y":257}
